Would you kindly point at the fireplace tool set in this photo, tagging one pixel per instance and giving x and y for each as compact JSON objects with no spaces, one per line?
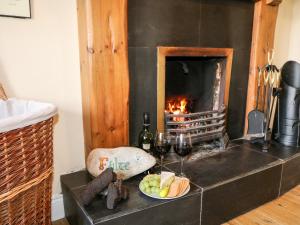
{"x":260,"y":122}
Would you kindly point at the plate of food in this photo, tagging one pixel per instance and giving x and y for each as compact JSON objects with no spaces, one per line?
{"x":164,"y":186}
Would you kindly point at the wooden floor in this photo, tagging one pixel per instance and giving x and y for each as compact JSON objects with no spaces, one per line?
{"x":282,"y":211}
{"x":60,"y":222}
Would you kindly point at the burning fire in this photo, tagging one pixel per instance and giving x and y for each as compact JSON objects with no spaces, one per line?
{"x":177,"y":106}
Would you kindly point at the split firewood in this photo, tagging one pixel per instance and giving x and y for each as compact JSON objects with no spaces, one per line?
{"x":116,"y":192}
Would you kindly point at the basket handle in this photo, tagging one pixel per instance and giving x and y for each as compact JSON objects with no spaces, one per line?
{"x":2,"y":93}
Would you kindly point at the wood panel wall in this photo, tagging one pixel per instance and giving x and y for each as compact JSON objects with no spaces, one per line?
{"x":264,"y":24}
{"x":104,"y":72}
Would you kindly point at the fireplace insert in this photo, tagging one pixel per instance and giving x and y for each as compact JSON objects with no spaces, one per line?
{"x":194,"y":94}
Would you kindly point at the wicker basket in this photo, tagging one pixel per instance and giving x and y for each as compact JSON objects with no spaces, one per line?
{"x":26,"y":165}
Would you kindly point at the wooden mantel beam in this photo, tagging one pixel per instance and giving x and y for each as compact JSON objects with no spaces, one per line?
{"x":104,"y":72}
{"x":264,"y":24}
{"x":274,"y":2}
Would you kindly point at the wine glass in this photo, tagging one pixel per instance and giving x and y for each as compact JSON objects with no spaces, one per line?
{"x":162,"y":146}
{"x":183,"y":147}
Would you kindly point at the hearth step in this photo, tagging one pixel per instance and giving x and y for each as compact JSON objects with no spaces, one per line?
{"x":223,"y":186}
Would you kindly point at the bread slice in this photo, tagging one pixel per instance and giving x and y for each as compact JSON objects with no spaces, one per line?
{"x":178,"y":187}
{"x":183,"y":185}
{"x":174,"y":188}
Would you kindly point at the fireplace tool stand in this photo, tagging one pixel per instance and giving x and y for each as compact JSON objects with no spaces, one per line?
{"x":272,"y":83}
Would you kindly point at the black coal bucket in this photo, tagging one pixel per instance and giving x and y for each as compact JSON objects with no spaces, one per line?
{"x":290,"y":73}
{"x":288,"y":127}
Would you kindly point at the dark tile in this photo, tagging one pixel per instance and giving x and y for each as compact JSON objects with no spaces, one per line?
{"x":136,"y":203}
{"x":185,"y":211}
{"x":226,"y":185}
{"x":226,"y":23}
{"x":240,"y":141}
{"x":138,"y":209}
{"x":73,"y":213}
{"x":168,"y":22}
{"x":276,"y":149}
{"x":290,"y":174}
{"x":232,"y":164}
{"x":238,"y":93}
{"x":142,"y":67}
{"x":204,"y":23}
{"x":75,"y":180}
{"x":280,"y":151}
{"x":233,"y":143}
{"x":227,"y":201}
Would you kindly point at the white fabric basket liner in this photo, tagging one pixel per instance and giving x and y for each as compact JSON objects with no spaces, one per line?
{"x":17,"y":113}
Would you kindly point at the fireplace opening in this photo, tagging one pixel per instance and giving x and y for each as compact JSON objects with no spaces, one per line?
{"x":193,"y":86}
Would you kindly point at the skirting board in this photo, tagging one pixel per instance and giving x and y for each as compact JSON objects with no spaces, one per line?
{"x":58,"y":211}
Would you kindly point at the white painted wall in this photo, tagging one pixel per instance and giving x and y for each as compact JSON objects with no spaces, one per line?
{"x":287,"y":36}
{"x":294,"y":47}
{"x":39,"y":59}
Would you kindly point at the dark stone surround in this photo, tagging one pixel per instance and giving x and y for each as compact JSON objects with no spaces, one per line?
{"x":223,"y":186}
{"x":186,"y":23}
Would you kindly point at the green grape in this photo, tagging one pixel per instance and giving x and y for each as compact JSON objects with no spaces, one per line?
{"x":157,"y":177}
{"x":142,"y":186}
{"x":146,"y":184}
{"x":149,"y":177}
{"x":153,"y":189}
{"x":152,"y":183}
{"x":157,"y":190}
{"x":148,"y":190}
{"x":155,"y":183}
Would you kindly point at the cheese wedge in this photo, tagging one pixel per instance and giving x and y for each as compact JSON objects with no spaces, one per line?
{"x":166,"y":179}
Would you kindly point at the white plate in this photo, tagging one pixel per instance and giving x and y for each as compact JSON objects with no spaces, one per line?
{"x":158,"y":197}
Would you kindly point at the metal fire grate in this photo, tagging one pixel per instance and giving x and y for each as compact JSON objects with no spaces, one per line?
{"x":203,"y":126}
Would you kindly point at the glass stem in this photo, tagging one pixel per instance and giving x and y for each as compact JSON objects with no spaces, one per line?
{"x":181,"y":166}
{"x":161,"y":163}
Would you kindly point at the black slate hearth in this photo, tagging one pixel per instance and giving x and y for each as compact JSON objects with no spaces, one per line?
{"x":223,"y":186}
{"x":290,"y":157}
{"x":138,"y":209}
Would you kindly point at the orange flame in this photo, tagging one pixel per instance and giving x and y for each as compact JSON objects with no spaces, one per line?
{"x":177,"y":106}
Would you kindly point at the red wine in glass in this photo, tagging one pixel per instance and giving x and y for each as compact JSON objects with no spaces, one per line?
{"x":183,"y":147}
{"x":183,"y":150}
{"x":162,"y":146}
{"x":162,"y":149}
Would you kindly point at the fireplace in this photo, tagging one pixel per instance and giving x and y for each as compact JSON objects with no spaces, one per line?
{"x":192,"y":89}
